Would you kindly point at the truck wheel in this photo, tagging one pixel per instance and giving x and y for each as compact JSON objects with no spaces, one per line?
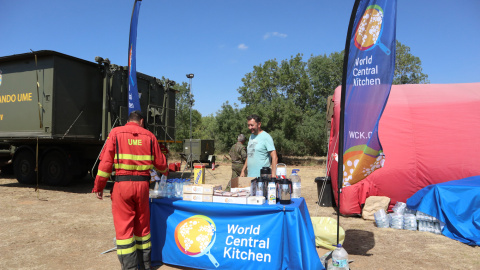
{"x":55,"y":169}
{"x":24,"y":167}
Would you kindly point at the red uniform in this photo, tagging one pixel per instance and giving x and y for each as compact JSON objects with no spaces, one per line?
{"x":133,"y":151}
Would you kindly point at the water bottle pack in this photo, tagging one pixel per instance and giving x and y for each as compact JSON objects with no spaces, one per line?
{"x":382,"y":219}
{"x":424,"y":217}
{"x":396,"y":221}
{"x":409,"y":222}
{"x":408,"y":219}
{"x":399,"y":208}
{"x":427,"y":223}
{"x":169,"y":188}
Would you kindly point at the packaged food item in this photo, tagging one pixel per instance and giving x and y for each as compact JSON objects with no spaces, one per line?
{"x":256,"y":200}
{"x":201,"y":189}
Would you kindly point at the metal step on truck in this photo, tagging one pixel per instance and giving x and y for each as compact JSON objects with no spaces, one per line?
{"x":56,"y":111}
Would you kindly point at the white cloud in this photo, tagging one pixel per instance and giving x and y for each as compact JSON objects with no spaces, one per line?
{"x":242,"y":46}
{"x":274,"y":34}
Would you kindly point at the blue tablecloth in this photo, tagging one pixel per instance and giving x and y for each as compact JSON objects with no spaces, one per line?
{"x":233,"y":236}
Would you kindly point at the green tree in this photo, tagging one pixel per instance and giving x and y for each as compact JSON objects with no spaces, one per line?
{"x":325,"y":73}
{"x":408,"y":68}
{"x":282,"y":95}
{"x":207,"y":129}
{"x":291,"y":96}
{"x":183,"y":101}
{"x":230,"y":123}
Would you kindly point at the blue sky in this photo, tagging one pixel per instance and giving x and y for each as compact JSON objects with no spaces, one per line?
{"x":221,"y":40}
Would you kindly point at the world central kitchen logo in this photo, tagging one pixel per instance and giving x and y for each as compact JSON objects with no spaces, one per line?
{"x":196,"y":235}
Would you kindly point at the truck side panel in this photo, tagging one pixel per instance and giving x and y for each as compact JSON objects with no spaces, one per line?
{"x":19,"y":104}
{"x":77,"y":100}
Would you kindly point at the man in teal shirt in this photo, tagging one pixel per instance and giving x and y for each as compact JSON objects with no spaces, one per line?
{"x":260,"y":150}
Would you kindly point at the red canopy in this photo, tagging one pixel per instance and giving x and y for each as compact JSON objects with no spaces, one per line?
{"x":430,"y":134}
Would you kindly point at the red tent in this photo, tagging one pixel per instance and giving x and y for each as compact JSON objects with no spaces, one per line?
{"x":430,"y":134}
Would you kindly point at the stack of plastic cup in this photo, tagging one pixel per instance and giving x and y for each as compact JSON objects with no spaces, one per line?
{"x":409,"y":222}
{"x":397,"y":221}
{"x":381,"y":219}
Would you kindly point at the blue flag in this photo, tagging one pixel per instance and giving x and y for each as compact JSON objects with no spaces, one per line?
{"x":133,"y":99}
{"x":369,"y":75}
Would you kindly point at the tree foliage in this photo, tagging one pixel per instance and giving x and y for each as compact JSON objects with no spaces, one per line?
{"x":183,"y":102}
{"x":290,"y":96}
{"x":230,"y":123}
{"x":408,"y":68}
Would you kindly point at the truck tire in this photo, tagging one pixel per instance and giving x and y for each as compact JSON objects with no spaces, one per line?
{"x":24,"y":167}
{"x":56,"y":169}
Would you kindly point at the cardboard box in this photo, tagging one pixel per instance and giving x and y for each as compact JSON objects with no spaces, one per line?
{"x":200,"y":189}
{"x":223,"y":199}
{"x":199,"y":174}
{"x":197,"y":197}
{"x":241,"y":182}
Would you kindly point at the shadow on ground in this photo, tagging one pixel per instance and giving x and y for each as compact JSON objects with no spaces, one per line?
{"x":359,"y":242}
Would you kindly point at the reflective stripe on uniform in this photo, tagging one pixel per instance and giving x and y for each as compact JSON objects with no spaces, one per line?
{"x":144,"y":246}
{"x":125,"y":241}
{"x":134,"y":157}
{"x":143,"y":242}
{"x":126,"y":246}
{"x":133,"y":167}
{"x":103,"y":174}
{"x":124,"y":251}
{"x":142,"y":238}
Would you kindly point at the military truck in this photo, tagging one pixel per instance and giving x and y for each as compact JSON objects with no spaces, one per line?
{"x":202,"y":151}
{"x":56,"y":111}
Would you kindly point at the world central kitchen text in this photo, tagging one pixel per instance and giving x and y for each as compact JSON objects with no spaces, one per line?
{"x":243,"y":244}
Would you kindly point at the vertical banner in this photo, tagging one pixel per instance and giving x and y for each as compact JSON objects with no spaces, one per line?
{"x":366,"y":86}
{"x":133,"y":99}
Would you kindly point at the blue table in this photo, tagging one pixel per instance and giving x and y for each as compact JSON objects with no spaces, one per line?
{"x":233,"y":236}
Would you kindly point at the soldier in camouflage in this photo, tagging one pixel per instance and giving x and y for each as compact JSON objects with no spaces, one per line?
{"x":238,"y":153}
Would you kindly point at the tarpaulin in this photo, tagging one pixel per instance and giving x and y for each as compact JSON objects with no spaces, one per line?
{"x":233,"y":236}
{"x":456,"y":203}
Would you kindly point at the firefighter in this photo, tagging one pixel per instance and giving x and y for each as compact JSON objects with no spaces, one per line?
{"x":133,"y":151}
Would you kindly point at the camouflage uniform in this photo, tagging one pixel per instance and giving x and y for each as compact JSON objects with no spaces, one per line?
{"x":238,"y":153}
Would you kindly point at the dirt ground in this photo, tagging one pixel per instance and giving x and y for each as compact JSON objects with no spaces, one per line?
{"x":68,"y":228}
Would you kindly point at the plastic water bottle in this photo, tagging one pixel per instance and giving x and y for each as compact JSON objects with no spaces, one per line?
{"x":340,"y":258}
{"x":163,"y":186}
{"x":296,"y":184}
{"x":178,"y":188}
{"x":169,"y":188}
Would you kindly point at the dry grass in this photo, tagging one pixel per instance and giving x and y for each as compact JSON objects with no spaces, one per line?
{"x":68,"y":228}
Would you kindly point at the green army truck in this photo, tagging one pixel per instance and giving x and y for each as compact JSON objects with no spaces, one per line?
{"x":56,"y":112}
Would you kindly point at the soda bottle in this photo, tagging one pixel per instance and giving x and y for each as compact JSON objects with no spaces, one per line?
{"x":340,"y":258}
{"x":296,"y":184}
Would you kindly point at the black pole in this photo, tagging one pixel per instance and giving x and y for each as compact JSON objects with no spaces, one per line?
{"x":342,"y":110}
